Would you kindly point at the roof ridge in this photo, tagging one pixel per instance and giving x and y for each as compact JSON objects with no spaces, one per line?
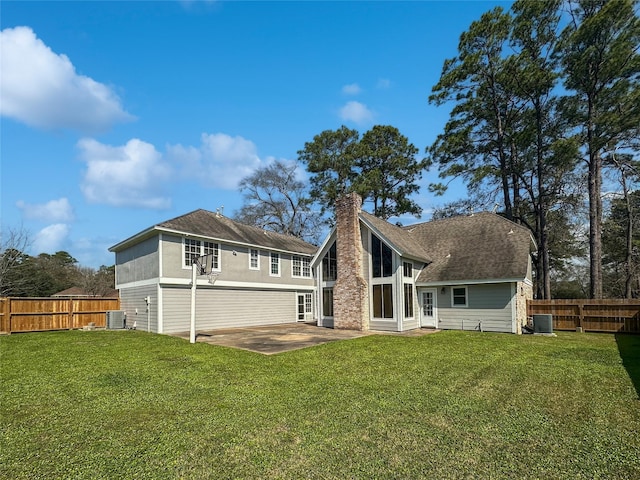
{"x":180,"y":216}
{"x":466,"y":216}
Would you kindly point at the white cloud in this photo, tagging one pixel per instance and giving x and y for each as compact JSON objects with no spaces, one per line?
{"x":43,"y":89}
{"x":50,"y":239}
{"x":53,"y":211}
{"x":132,"y":175}
{"x":351,"y":89}
{"x":221,"y":161}
{"x":356,"y":112}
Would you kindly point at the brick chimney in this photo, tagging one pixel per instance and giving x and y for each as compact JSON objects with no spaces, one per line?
{"x":351,"y":292}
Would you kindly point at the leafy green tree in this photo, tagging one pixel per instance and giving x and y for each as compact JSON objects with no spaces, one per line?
{"x":381,"y":167}
{"x":275,"y":199}
{"x":599,"y":55}
{"x":331,"y":159}
{"x":54,"y":273}
{"x":504,"y":134}
{"x":547,"y":153}
{"x":621,"y":239}
{"x":475,"y":144}
{"x":389,"y":172}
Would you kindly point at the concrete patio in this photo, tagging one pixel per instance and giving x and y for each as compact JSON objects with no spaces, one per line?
{"x":273,"y":339}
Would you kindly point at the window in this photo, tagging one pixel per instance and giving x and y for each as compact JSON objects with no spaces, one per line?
{"x":381,"y":257}
{"x":254,"y":259}
{"x":191,"y":251}
{"x":210,"y":248}
{"x":459,"y":296}
{"x":327,"y":302}
{"x":407,"y":269}
{"x":330,"y":265}
{"x":300,"y":267}
{"x":275,"y":264}
{"x":383,"y":301}
{"x":196,"y":248}
{"x":408,"y":300}
{"x":306,"y":267}
{"x":308,"y":303}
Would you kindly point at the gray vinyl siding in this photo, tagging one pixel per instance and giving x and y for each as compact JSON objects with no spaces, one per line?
{"x":387,"y":325}
{"x":234,"y":264}
{"x":137,"y":263}
{"x":413,"y":322}
{"x":132,"y":300}
{"x":227,"y":308}
{"x":489,"y":309}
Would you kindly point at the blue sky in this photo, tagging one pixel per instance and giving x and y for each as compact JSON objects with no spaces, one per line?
{"x":119,"y":115}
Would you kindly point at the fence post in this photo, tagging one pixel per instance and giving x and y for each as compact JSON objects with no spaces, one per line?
{"x":70,"y":317}
{"x":5,"y":325}
{"x":580,"y":317}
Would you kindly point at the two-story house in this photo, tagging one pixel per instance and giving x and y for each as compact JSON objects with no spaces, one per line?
{"x":261,"y":277}
{"x":467,"y":272}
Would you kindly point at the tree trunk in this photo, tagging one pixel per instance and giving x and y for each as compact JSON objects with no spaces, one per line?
{"x":539,"y":263}
{"x":595,"y":225}
{"x":595,"y":206}
{"x":629,"y":247}
{"x":543,"y":246}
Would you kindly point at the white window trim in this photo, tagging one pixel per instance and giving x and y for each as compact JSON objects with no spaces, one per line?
{"x":184,"y":248}
{"x":413,"y":297}
{"x":302,"y":262}
{"x":466,"y":297}
{"x":254,"y":250}
{"x":201,"y":247}
{"x":218,"y":251}
{"x":271,"y":274}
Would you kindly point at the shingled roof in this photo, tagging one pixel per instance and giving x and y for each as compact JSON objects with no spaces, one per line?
{"x":402,"y":240}
{"x":206,"y":224}
{"x":482,"y":246}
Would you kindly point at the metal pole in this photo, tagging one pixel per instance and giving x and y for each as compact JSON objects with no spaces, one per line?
{"x":194,"y":278}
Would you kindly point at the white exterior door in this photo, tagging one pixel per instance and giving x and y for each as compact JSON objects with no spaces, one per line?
{"x":428,"y":308}
{"x":304,"y":307}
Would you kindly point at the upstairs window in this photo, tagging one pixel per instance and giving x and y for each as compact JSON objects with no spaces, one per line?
{"x":196,"y":248}
{"x":381,"y":258}
{"x":254,"y":259}
{"x":191,"y":251}
{"x":209,"y":248}
{"x":300,"y":267}
{"x":330,"y":264}
{"x":275,"y":265}
{"x":407,"y":269}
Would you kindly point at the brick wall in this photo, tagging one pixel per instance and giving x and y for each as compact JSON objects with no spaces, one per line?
{"x":350,"y":293}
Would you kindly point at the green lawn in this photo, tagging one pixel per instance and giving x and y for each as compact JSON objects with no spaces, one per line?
{"x":449,"y":405}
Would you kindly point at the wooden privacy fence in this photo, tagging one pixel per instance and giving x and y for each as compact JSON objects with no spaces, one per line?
{"x":40,"y":314}
{"x":590,"y":315}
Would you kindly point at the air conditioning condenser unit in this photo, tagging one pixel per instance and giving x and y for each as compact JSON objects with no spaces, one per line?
{"x":116,"y":319}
